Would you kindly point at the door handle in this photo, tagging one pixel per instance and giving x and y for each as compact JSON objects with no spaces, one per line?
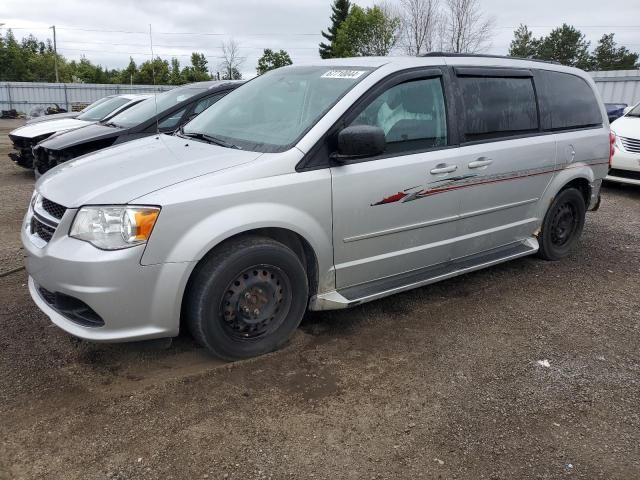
{"x":480,"y":162}
{"x":443,"y":168}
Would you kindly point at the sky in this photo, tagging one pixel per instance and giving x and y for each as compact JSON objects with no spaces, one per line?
{"x":108,"y":32}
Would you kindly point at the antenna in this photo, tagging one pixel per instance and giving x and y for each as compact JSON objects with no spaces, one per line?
{"x":153,"y":76}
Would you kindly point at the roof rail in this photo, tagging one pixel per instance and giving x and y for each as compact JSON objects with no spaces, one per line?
{"x":484,"y":55}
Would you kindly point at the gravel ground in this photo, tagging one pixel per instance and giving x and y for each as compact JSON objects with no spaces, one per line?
{"x":440,"y":382}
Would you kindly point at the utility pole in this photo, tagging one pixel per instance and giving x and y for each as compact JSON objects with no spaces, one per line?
{"x":55,"y":53}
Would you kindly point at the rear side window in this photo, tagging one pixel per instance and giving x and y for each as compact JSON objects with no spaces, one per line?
{"x":566,"y":102}
{"x":498,"y":107}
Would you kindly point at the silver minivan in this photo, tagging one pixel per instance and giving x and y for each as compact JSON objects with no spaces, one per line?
{"x":320,"y":186}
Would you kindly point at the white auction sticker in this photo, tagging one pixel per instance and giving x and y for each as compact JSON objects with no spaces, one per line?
{"x":343,"y":74}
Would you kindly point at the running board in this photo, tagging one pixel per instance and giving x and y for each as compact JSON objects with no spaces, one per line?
{"x":366,"y":292}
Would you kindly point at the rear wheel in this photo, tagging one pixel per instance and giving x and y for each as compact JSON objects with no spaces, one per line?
{"x":562,"y":225}
{"x":247,"y":298}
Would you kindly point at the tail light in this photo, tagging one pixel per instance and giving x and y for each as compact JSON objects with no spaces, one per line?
{"x":612,"y":143}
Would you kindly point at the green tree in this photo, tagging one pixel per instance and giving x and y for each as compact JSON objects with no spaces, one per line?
{"x":524,"y":45}
{"x":271,"y":60}
{"x":607,"y":56}
{"x":370,"y":32}
{"x":129,"y":74}
{"x":198,"y":70}
{"x":566,"y":45}
{"x":340,"y":12}
{"x":175,"y":76}
{"x":86,"y":72}
{"x":13,"y":66}
{"x":199,"y":63}
{"x":152,"y":72}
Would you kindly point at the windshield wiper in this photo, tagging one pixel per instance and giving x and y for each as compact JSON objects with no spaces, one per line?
{"x":109,"y":124}
{"x":207,"y":138}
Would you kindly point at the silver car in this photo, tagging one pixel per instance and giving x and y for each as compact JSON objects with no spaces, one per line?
{"x":320,"y":186}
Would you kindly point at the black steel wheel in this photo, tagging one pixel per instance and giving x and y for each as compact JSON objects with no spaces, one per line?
{"x":256,"y":302}
{"x":562,"y":225}
{"x":246,"y":298}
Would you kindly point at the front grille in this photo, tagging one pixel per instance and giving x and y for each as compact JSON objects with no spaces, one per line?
{"x":53,"y":209}
{"x":23,"y":155}
{"x":70,"y":307}
{"x":631,"y":144}
{"x":44,"y":220}
{"x":46,"y":160}
{"x":42,"y":230}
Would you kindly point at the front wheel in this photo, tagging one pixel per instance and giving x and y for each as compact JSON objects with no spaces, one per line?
{"x":246,"y":298}
{"x":562,"y":225}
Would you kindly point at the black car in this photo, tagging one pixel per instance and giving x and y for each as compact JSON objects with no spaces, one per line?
{"x":615,"y":110}
{"x":165,"y":113}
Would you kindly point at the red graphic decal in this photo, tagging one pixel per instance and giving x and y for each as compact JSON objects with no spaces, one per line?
{"x":393,"y":198}
{"x":427,"y":192}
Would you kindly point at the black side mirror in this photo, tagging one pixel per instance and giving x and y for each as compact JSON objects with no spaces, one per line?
{"x":359,"y":141}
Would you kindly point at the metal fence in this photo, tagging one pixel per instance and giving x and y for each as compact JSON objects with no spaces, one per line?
{"x":27,"y":96}
{"x":618,"y":86}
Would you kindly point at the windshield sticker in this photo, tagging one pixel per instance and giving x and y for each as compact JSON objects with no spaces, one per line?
{"x":343,"y":74}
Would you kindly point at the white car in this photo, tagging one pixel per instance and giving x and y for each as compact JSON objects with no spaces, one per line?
{"x":26,"y":137}
{"x":625,"y":166}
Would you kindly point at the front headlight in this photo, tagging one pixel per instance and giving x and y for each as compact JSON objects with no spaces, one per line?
{"x":618,"y":141}
{"x":114,"y":227}
{"x":34,"y":199}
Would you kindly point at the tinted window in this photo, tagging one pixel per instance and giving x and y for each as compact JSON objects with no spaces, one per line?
{"x":566,"y":101}
{"x":498,"y":107}
{"x":103,"y":109}
{"x":148,"y":108}
{"x":411,"y":114}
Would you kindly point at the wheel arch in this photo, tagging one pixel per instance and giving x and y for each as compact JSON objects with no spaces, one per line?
{"x":293,"y":240}
{"x":579,"y":177}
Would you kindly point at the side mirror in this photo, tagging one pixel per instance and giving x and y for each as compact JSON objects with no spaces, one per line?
{"x":359,"y":141}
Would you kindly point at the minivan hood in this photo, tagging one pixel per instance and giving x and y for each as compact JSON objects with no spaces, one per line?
{"x":34,"y":130}
{"x":627,"y":127}
{"x":119,"y":174}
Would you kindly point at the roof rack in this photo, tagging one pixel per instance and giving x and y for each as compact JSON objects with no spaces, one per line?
{"x":484,"y":55}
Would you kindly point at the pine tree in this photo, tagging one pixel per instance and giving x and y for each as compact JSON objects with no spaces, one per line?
{"x":608,"y":56}
{"x":523,"y":45}
{"x":566,"y":45}
{"x":340,"y":9}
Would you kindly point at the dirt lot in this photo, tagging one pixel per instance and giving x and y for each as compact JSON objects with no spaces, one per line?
{"x":441,"y":382}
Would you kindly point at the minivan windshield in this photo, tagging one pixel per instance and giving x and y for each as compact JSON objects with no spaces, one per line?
{"x":271,"y":112}
{"x":103,"y":109}
{"x":147,"y":108}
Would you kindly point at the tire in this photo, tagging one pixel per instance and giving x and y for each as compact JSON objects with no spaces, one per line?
{"x":246,"y":298}
{"x":562,"y":225}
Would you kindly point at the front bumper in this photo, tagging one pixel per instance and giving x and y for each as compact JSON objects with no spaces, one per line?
{"x":135,"y":302}
{"x":625,"y":167}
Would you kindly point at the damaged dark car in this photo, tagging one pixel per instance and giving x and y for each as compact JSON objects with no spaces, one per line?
{"x":165,"y":113}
